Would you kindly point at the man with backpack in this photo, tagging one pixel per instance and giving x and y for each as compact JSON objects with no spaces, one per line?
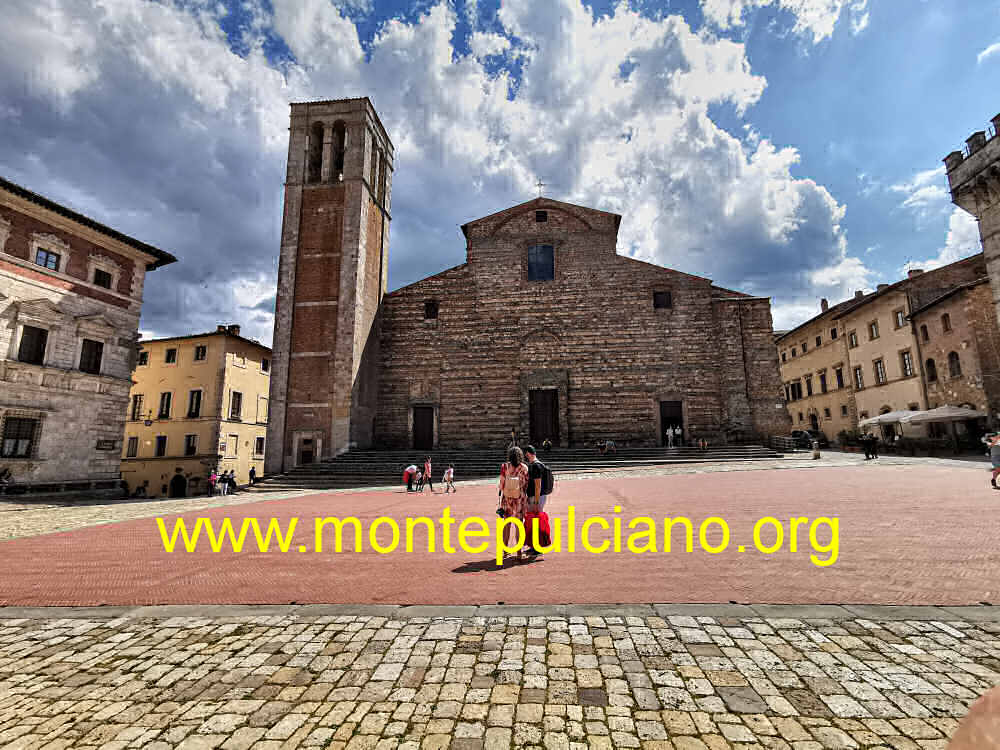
{"x":540,"y":482}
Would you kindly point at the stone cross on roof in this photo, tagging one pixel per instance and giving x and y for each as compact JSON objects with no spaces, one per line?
{"x":539,"y":185}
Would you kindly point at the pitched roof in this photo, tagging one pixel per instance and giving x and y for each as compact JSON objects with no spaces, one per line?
{"x":162,"y":257}
{"x":949,"y":293}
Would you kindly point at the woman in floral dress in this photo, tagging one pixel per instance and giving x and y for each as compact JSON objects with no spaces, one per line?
{"x":513,"y":491}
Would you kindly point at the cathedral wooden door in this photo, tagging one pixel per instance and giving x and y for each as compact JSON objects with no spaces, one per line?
{"x":543,"y":407}
{"x":423,"y":427}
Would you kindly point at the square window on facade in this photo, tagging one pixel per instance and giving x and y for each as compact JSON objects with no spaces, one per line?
{"x":541,"y":216}
{"x":161,"y":446}
{"x":102,"y":278}
{"x":541,"y":263}
{"x":165,"y":399}
{"x":906,"y":360}
{"x":879,"y":367}
{"x":133,"y":448}
{"x":91,"y":353}
{"x":200,"y":352}
{"x":826,"y":412}
{"x":170,"y":357}
{"x":19,"y":436}
{"x":430,"y":310}
{"x":190,"y":445}
{"x":32,"y":346}
{"x":662,"y":300}
{"x":194,"y":404}
{"x":47,"y":259}
{"x":143,"y":359}
{"x":137,"y":407}
{"x":258,"y":447}
{"x":265,"y":365}
{"x":236,"y":405}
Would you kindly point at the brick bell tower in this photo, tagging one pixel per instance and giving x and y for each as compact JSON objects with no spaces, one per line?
{"x":332,"y":276}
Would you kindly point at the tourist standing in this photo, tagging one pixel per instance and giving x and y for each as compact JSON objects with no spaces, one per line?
{"x":223,"y":484}
{"x":993,"y":441}
{"x":538,"y":489}
{"x":420,"y":481}
{"x":428,"y":477}
{"x":212,"y":479}
{"x":670,"y":436}
{"x":513,"y":496}
{"x":449,"y":479}
{"x":866,"y":443}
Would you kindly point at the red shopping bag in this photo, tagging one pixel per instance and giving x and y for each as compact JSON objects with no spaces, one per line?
{"x":541,"y":519}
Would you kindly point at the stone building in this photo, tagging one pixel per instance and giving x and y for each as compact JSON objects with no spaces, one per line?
{"x":865,"y":356}
{"x":974,"y":179}
{"x":197,"y":403}
{"x":960,"y":345}
{"x":70,"y":298}
{"x":544,"y":329}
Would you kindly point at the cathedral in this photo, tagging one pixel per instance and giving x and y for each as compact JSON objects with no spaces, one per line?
{"x":544,"y":330}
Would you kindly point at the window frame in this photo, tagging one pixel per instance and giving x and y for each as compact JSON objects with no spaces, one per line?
{"x":201,"y":349}
{"x":236,"y":400}
{"x":819,"y":341}
{"x":160,"y":413}
{"x":45,"y":344}
{"x":265,"y":365}
{"x":925,"y":335}
{"x":946,"y":323}
{"x":852,"y":339}
{"x":823,"y":388}
{"x":131,"y":446}
{"x":663,"y":299}
{"x":839,"y":373}
{"x":930,"y":370}
{"x":191,"y":446}
{"x":873,"y":332}
{"x":39,"y":251}
{"x":541,"y":216}
{"x":135,"y":407}
{"x":95,"y":281}
{"x":954,"y":364}
{"x":833,"y":334}
{"x":170,"y":356}
{"x":432,"y":309}
{"x":906,"y":363}
{"x":157,"y":442}
{"x":142,"y":358}
{"x":31,"y":450}
{"x":859,"y":378}
{"x":260,"y":442}
{"x":878,"y":368}
{"x":899,"y":318}
{"x":190,"y":412}
{"x":533,"y":263}
{"x":100,"y":356}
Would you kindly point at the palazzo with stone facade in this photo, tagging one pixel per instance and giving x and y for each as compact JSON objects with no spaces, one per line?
{"x":544,"y":329}
{"x":70,"y":298}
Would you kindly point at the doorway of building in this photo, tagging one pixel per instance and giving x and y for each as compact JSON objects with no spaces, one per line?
{"x":671,"y":418}
{"x":178,"y":486}
{"x":306,"y":452}
{"x":423,"y":427}
{"x":814,"y":421}
{"x":543,"y":415}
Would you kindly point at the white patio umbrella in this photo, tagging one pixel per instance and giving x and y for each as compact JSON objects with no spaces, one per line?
{"x":887,"y":418}
{"x":942,"y":414}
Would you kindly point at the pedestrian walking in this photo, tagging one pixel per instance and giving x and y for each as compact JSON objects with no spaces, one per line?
{"x":253,"y":475}
{"x":993,"y":441}
{"x":212,"y":479}
{"x":513,"y":496}
{"x":223,"y":483}
{"x":866,"y":443}
{"x":449,"y":479}
{"x":540,"y":485}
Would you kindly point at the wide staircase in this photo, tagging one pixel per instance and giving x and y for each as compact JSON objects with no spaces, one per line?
{"x":378,"y":468}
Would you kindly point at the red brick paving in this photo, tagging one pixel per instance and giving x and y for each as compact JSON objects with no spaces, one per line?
{"x":908,"y":535}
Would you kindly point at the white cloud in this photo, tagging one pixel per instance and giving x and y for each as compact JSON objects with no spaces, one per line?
{"x":153,"y":124}
{"x":812,"y":17}
{"x":925,"y":192}
{"x":991,"y":51}
{"x":962,"y":241}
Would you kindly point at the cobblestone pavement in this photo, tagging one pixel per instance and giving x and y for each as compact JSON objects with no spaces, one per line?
{"x":663,"y":678}
{"x":30,"y":518}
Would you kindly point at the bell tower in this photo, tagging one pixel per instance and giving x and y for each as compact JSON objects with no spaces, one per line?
{"x":974,"y":179}
{"x":332,"y":276}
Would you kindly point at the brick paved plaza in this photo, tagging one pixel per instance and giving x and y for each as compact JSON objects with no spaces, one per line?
{"x":571,"y":668}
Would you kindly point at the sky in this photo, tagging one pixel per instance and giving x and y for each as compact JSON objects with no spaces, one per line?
{"x":785,"y":148}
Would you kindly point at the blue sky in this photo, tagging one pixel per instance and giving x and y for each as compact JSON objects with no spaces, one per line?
{"x":788,"y":148}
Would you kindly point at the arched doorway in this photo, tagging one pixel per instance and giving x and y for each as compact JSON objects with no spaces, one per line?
{"x":178,"y":486}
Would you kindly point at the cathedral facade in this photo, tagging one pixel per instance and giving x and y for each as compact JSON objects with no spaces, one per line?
{"x":544,"y":330}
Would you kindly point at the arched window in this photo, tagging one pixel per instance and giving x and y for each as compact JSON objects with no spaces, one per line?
{"x":946,"y":322}
{"x":923,"y":333}
{"x":339,"y":146}
{"x":954,"y":364}
{"x":315,"y":165}
{"x":931,"y":369}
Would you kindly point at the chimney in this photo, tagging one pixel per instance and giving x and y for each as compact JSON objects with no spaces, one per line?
{"x":233,"y":328}
{"x":859,"y":294}
{"x":824,"y":305}
{"x":976,"y":141}
{"x":914,"y":272}
{"x":220,"y":329}
{"x":953,"y":159}
{"x":881,"y":287}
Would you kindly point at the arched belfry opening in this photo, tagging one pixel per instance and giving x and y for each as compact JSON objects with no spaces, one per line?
{"x":339,"y":147}
{"x":315,"y":166}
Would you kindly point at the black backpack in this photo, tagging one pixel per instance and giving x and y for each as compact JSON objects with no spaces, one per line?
{"x":548,"y":479}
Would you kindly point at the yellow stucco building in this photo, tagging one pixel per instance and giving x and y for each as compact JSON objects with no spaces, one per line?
{"x":197,"y":403}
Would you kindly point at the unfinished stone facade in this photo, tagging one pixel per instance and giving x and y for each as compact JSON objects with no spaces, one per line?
{"x":70,"y":299}
{"x":599,"y":347}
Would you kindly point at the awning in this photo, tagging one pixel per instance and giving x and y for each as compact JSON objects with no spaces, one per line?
{"x":888,"y":417}
{"x":942,"y":414}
